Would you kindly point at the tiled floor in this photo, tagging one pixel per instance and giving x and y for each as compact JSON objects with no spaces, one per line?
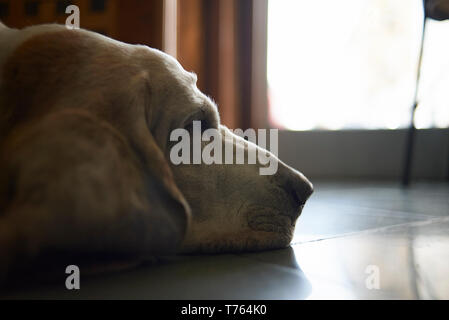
{"x":353,"y":241}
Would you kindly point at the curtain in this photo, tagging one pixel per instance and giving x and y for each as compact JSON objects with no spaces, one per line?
{"x":224,"y":42}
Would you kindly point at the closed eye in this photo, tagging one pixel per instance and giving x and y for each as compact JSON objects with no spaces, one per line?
{"x":203,"y":123}
{"x":205,"y":115}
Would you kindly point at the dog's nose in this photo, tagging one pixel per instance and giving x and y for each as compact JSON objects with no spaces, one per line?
{"x":296,"y":184}
{"x":301,"y":187}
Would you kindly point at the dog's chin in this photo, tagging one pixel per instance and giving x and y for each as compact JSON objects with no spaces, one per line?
{"x":251,"y":242}
{"x":266,"y":229}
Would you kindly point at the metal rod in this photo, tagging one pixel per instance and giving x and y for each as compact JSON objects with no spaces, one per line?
{"x":410,"y":138}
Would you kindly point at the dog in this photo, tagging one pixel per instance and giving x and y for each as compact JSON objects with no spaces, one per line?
{"x":85,"y":126}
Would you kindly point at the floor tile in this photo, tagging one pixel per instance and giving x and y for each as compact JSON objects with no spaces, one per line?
{"x":411,"y":260}
{"x":349,"y":236}
{"x":195,"y":277}
{"x":429,"y":199}
{"x":339,"y":208}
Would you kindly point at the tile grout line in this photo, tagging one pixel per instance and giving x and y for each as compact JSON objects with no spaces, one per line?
{"x":348,"y":234}
{"x":402,"y":213}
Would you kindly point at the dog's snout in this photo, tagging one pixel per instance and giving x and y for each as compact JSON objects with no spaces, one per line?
{"x":300,"y":187}
{"x":296,"y":184}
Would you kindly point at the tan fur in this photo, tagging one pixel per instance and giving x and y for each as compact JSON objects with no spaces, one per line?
{"x":84,"y":169}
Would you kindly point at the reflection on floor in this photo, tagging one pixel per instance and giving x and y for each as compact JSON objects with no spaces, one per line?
{"x":353,"y":241}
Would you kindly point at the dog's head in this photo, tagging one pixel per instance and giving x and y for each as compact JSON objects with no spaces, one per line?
{"x":147,"y":95}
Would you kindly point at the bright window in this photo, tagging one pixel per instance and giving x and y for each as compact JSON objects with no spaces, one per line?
{"x":352,"y":64}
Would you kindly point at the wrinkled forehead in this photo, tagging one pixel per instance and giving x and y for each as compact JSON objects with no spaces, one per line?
{"x":97,"y":62}
{"x":172,"y":66}
{"x":166,"y":70}
{"x":180,"y":86}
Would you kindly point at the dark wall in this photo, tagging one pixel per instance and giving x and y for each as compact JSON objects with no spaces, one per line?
{"x":365,"y":154}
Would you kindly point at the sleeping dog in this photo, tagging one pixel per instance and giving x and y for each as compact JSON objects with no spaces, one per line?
{"x":85,"y":125}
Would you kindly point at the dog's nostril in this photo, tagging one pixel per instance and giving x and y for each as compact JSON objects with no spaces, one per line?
{"x":296,"y":198}
{"x":306,"y":191}
{"x":301,"y":190}
{"x":298,"y":193}
{"x":296,"y":185}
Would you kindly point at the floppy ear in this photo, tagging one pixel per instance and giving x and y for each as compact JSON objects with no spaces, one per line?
{"x":86,"y":192}
{"x":177,"y":209}
{"x":109,"y":130}
{"x":134,"y":123}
